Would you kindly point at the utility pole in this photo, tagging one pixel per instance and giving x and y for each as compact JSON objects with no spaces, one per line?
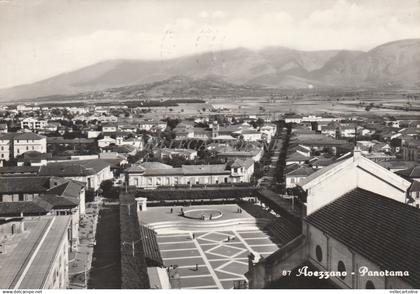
{"x":132,"y":245}
{"x":85,"y":277}
{"x":129,"y":209}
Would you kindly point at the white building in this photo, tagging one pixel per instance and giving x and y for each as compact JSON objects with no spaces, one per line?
{"x":152,"y":125}
{"x":29,"y":142}
{"x":325,"y":185}
{"x":150,"y":175}
{"x":91,"y":172}
{"x":33,"y":124}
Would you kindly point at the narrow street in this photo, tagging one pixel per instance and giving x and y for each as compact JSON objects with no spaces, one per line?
{"x":81,"y":259}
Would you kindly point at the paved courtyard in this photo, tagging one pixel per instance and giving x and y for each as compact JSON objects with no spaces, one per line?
{"x":214,"y":259}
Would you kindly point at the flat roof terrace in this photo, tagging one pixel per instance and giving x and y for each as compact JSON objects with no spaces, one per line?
{"x":29,"y":255}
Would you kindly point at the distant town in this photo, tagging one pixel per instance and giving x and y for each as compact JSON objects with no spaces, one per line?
{"x":197,"y":193}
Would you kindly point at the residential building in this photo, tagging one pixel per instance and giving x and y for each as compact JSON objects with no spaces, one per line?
{"x":152,"y":125}
{"x":251,"y":135}
{"x":109,"y":128}
{"x":33,"y":196}
{"x":151,"y":175}
{"x":15,"y":144}
{"x":188,"y":154}
{"x":414,"y":194}
{"x":268,"y":131}
{"x":411,"y":150}
{"x":91,"y":172}
{"x":298,"y":174}
{"x":33,"y":124}
{"x":6,"y":146}
{"x":3,"y":128}
{"x":293,"y":119}
{"x":106,"y":141}
{"x":24,"y":142}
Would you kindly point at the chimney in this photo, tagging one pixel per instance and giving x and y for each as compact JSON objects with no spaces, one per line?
{"x":357,"y":153}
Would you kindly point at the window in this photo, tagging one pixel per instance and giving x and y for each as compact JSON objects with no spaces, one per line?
{"x":318,"y":253}
{"x":370,"y":285}
{"x":341,"y":268}
{"x":417,"y":195}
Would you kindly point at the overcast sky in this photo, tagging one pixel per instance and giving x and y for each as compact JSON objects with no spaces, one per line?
{"x":41,"y":38}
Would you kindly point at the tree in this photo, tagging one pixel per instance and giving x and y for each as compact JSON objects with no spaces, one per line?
{"x":259,"y":122}
{"x":108,"y":189}
{"x":395,"y":142}
{"x":89,"y":195}
{"x":172,"y":123}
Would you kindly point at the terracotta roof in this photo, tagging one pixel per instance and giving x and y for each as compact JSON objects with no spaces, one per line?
{"x":37,"y":207}
{"x":415,"y":187}
{"x":65,"y":170}
{"x":150,"y":165}
{"x":74,"y":168}
{"x":23,"y":184}
{"x":318,"y":139}
{"x":205,"y":169}
{"x":19,"y":170}
{"x":57,"y":201}
{"x":411,"y":173}
{"x":29,"y":136}
{"x":163,"y":171}
{"x":69,"y":189}
{"x":7,"y":136}
{"x":302,"y":171}
{"x":242,"y":163}
{"x":382,"y":230}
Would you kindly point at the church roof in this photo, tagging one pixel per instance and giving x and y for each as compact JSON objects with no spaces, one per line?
{"x":359,"y":162}
{"x":382,"y":230}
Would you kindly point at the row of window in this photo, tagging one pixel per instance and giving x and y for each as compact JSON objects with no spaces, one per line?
{"x":340,"y":267}
{"x":17,"y":197}
{"x":166,"y":181}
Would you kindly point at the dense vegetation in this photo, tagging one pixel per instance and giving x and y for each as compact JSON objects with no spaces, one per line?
{"x":133,"y":262}
{"x":194,"y":194}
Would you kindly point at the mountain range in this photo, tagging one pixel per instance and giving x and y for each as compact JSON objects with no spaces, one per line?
{"x":392,"y":65}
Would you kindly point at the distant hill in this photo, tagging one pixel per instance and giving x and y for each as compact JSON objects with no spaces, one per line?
{"x":395,"y":64}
